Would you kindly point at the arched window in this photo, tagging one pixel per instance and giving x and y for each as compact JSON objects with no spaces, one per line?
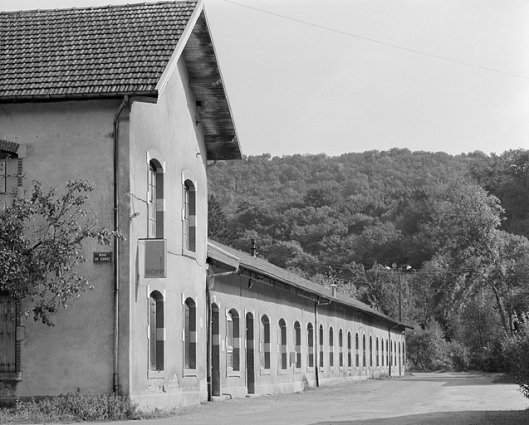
{"x":215,"y":349}
{"x":331,"y":347}
{"x":377,"y":354}
{"x":189,"y":219}
{"x":321,"y":345}
{"x":297,"y":342}
{"x":349,"y":354}
{"x":382,"y":354}
{"x":310,"y":345}
{"x":190,"y":334}
{"x":357,"y":350}
{"x":156,"y":332}
{"x":370,"y":351}
{"x":364,"y":350}
{"x":340,"y":347}
{"x":282,"y":344}
{"x":232,"y":341}
{"x":264,"y":339}
{"x":155,"y":204}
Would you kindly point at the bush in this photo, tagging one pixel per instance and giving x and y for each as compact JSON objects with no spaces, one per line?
{"x":71,"y":408}
{"x":517,"y":350}
{"x":427,"y":348}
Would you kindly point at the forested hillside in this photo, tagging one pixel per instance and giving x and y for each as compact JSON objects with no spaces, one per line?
{"x":451,"y":229}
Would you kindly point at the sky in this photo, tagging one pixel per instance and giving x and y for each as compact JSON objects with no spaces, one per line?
{"x":339,"y":76}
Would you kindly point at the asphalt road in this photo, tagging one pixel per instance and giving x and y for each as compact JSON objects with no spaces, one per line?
{"x":419,"y":398}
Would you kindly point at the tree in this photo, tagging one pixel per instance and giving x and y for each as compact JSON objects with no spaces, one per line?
{"x":41,"y":241}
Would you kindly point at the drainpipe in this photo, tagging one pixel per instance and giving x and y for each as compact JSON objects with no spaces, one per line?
{"x":115,"y":377}
{"x":316,"y":342}
{"x":210,"y":282}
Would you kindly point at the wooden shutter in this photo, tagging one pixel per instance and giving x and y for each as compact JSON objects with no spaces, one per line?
{"x":8,"y":326}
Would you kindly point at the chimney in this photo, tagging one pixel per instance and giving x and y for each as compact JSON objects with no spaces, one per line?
{"x":253,"y":248}
{"x":333,"y":289}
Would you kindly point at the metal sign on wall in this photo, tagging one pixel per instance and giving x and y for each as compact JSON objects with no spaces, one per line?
{"x":102,"y":257}
{"x":155,"y":258}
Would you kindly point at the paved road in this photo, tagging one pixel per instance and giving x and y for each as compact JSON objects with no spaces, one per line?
{"x":420,"y":398}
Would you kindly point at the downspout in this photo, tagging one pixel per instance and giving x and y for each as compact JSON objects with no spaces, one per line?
{"x":210,"y":282}
{"x":115,"y":377}
{"x":316,"y":341}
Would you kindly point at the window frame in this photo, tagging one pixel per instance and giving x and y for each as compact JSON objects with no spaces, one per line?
{"x":297,"y":345}
{"x":156,"y":335}
{"x":189,"y":218}
{"x":190,"y":337}
{"x":233,"y":335}
{"x":310,"y":346}
{"x":264,"y":345}
{"x":282,"y":349}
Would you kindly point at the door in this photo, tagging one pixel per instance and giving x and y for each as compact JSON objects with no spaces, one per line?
{"x":250,"y":354}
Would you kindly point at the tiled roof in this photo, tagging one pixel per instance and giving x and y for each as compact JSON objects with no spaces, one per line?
{"x":267,"y":269}
{"x":103,"y":51}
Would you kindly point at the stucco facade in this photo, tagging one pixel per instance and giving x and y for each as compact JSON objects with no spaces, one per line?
{"x":325,"y":337}
{"x":191,"y":328}
{"x":145,"y":149}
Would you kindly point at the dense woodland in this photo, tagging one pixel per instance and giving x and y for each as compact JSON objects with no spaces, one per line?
{"x":451,"y":231}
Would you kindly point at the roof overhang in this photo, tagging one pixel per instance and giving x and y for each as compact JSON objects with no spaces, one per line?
{"x":206,"y":83}
{"x":222,"y":258}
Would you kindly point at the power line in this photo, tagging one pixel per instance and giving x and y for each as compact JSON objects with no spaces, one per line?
{"x":395,"y":46}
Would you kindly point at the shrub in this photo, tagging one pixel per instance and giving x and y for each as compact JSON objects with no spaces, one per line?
{"x":71,"y":407}
{"x":517,"y":350}
{"x":427,"y":348}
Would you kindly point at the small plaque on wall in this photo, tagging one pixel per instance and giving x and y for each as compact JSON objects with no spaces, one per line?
{"x":102,"y":257}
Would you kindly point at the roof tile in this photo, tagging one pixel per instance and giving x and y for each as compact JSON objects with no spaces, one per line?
{"x":105,"y":50}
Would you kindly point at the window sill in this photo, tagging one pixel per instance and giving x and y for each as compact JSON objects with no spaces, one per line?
{"x":155,"y":374}
{"x":265,"y":372}
{"x":10,"y":376}
{"x":282,"y":371}
{"x":190,"y":373}
{"x":233,"y":374}
{"x":188,"y":253}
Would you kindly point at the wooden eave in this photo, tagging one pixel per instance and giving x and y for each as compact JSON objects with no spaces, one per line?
{"x":212,"y":105}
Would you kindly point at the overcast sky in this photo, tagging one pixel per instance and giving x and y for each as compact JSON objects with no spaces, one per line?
{"x":336,"y":76}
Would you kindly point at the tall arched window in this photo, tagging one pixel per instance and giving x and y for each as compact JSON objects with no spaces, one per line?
{"x":387,"y":353}
{"x":156,"y":331}
{"x":155,"y":204}
{"x":357,"y":350}
{"x":310,"y":345}
{"x":297,"y":342}
{"x":364,"y":350}
{"x":321,"y":345}
{"x":377,"y":354}
{"x":349,"y":347}
{"x":190,"y":334}
{"x":370,"y":351}
{"x":189,"y":219}
{"x":282,"y":344}
{"x":340,"y":348}
{"x":382,"y":353}
{"x":264,"y":339}
{"x":331,"y":347}
{"x":232,"y":340}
